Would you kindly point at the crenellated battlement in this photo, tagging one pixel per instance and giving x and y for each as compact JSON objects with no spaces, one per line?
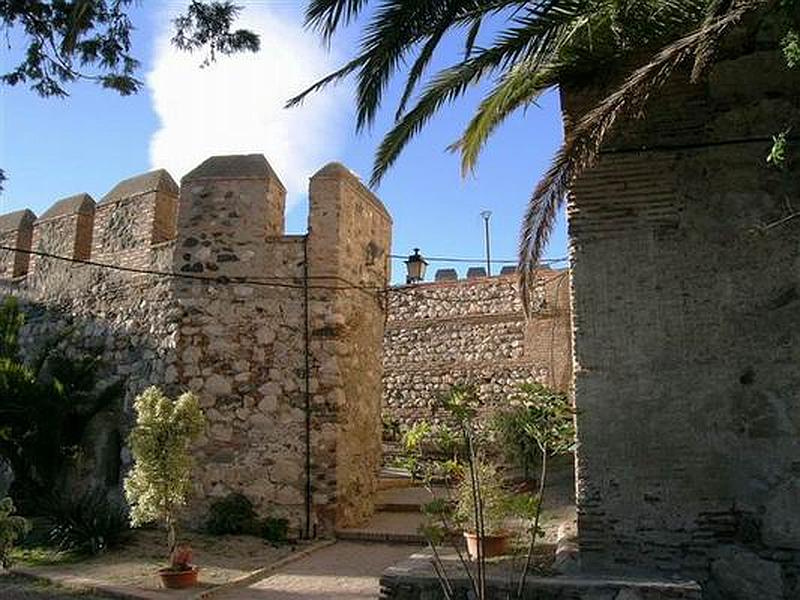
{"x":135,"y":215}
{"x":226,"y":218}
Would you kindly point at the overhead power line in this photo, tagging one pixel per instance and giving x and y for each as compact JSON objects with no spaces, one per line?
{"x":544,"y":261}
{"x":269,"y":282}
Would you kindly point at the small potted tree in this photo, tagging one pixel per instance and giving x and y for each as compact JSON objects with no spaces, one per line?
{"x":160,"y":481}
{"x":486,"y":525}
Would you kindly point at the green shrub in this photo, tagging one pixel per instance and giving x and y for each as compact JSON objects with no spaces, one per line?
{"x":495,"y":501}
{"x":12,"y":527}
{"x":274,"y":529}
{"x":89,"y":523}
{"x":538,"y":419}
{"x":45,"y":407}
{"x":233,"y":514}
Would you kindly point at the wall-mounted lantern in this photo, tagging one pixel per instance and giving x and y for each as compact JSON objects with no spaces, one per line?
{"x":415,"y":267}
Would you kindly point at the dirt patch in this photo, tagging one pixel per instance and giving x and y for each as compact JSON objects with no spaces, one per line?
{"x":221,"y":559}
{"x":13,"y":587}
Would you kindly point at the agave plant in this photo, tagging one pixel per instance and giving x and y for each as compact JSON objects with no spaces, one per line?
{"x":541,"y":44}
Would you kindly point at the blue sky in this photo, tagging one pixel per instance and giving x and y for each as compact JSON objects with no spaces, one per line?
{"x":52,"y":148}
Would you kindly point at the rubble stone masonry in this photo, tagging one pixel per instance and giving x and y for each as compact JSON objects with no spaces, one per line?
{"x":473,"y":330}
{"x":242,"y":326}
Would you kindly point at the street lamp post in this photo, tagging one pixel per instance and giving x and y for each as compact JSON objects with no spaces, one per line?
{"x":486,"y":214}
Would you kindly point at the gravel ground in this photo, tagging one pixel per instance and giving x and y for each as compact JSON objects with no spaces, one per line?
{"x":135,"y":564}
{"x":13,"y":587}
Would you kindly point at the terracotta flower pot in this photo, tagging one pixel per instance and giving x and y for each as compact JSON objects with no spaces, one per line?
{"x":176,"y":580}
{"x":493,"y":545}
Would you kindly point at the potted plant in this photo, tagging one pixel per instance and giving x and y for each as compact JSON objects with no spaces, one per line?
{"x":486,"y":526}
{"x":160,"y":481}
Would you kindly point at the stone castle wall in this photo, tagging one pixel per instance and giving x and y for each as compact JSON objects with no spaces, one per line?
{"x":687,"y":333}
{"x":231,"y":326}
{"x":447,"y":332}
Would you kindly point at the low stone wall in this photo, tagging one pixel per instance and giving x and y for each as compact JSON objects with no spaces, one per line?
{"x":414,"y":579}
{"x":443,"y":333}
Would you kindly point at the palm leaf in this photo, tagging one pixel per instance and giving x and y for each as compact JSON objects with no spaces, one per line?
{"x":534,"y":38}
{"x":326,"y":16}
{"x":519,"y":88}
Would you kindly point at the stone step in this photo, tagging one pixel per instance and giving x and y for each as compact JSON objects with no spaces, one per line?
{"x":405,"y":499}
{"x":387,"y":527}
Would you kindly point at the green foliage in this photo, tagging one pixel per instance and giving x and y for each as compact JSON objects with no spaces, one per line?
{"x":791,"y":49}
{"x":44,"y":409}
{"x":208,"y":25}
{"x":89,"y":523}
{"x":274,"y":529}
{"x":391,"y":428}
{"x":461,"y":403}
{"x":90,"y":40}
{"x":538,"y":419}
{"x":415,"y":435}
{"x":12,"y":528}
{"x":11,"y":321}
{"x":233,"y":514}
{"x":777,"y":154}
{"x":495,"y":500}
{"x":160,"y":481}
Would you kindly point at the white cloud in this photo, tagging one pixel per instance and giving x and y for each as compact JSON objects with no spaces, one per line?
{"x":235,"y":105}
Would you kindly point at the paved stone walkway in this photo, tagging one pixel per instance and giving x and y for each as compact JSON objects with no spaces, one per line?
{"x":343,"y":571}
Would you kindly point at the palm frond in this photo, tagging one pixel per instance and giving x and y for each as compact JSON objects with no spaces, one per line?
{"x":326,"y":81}
{"x":393,"y":32}
{"x":706,"y":50}
{"x":326,"y":16}
{"x":534,"y":39}
{"x":581,"y":146}
{"x":424,"y":58}
{"x":519,"y":88}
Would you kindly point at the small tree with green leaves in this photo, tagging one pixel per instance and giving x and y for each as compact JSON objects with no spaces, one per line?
{"x":12,"y":527}
{"x":160,"y":481}
{"x":541,"y":418}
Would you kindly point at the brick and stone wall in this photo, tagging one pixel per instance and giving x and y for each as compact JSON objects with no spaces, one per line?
{"x":447,"y":332}
{"x":230,"y":326}
{"x":686,"y":314}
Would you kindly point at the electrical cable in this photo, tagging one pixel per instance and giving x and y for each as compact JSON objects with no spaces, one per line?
{"x":274,"y":282}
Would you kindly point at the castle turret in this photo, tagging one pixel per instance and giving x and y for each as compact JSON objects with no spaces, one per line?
{"x":348,"y":260}
{"x":229,"y":205}
{"x":16,"y":231}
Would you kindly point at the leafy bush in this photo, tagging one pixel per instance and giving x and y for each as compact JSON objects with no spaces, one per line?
{"x":88,"y":523}
{"x":538,"y":419}
{"x":45,"y":407}
{"x":274,"y":529}
{"x":495,"y":501}
{"x":233,"y":514}
{"x":12,"y":527}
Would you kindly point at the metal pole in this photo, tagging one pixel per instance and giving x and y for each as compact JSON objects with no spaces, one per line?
{"x":486,"y":214}
{"x":307,"y":387}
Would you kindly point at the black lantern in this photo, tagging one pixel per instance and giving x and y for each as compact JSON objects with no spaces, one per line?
{"x":415,"y":267}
